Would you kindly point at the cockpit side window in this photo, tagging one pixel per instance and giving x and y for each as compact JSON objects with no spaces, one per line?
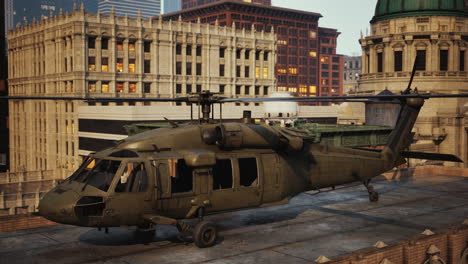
{"x":96,"y":172}
{"x":181,"y":177}
{"x":133,"y":179}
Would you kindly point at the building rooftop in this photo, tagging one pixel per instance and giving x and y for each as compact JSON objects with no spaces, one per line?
{"x":251,"y":7}
{"x":390,"y":9}
{"x":330,"y":223}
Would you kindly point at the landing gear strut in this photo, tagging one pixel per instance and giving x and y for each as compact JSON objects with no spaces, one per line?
{"x":373,"y":195}
{"x":204,"y":233}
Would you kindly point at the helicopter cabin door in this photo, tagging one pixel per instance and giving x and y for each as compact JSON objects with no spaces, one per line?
{"x":236,"y":182}
{"x":175,"y":185}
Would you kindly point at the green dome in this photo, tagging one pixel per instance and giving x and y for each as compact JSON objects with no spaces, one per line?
{"x":388,"y":9}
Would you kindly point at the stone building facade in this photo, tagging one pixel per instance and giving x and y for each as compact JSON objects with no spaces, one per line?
{"x":351,"y":72}
{"x":436,"y":33}
{"x":82,"y":54}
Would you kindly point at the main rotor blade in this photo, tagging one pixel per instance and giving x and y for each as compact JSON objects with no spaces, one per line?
{"x":96,"y":99}
{"x":338,"y":98}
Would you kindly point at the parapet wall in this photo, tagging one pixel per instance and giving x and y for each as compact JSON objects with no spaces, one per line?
{"x":448,"y":246}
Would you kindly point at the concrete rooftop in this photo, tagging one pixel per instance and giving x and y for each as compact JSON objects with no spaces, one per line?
{"x":330,"y":223}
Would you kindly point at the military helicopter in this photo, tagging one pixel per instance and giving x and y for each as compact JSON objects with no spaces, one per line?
{"x":168,"y":175}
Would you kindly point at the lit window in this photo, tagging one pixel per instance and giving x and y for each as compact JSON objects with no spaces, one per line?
{"x":313,"y":54}
{"x":282,"y":42}
{"x":120,"y":44}
{"x":131,"y":45}
{"x":257,"y":72}
{"x":312,"y":89}
{"x":105,"y":87}
{"x":131,"y":65}
{"x":282,"y":71}
{"x":91,"y":63}
{"x":119,"y":65}
{"x":265,"y":73}
{"x":120,"y":87}
{"x":293,"y":89}
{"x":312,"y":34}
{"x":92,"y":87}
{"x":282,"y":88}
{"x":132,"y":87}
{"x":324,"y":59}
{"x":293,"y":70}
{"x":105,"y":64}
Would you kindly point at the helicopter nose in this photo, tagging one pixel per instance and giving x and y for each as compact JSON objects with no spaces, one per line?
{"x":57,"y":205}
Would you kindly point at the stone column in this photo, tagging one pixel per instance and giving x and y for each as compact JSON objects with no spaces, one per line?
{"x":372,"y":59}
{"x":388,"y":63}
{"x":98,"y":54}
{"x":454,"y":57}
{"x":125,"y":58}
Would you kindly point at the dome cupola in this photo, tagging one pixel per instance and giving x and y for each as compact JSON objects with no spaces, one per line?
{"x":390,"y":9}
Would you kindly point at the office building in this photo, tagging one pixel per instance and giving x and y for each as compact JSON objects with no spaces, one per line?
{"x":151,"y":58}
{"x":186,"y":4}
{"x":352,"y":70}
{"x":307,"y":63}
{"x":132,"y":8}
{"x":170,"y":6}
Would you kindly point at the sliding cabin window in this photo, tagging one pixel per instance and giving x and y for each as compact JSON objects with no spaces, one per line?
{"x":222,"y":174}
{"x":248,"y":172}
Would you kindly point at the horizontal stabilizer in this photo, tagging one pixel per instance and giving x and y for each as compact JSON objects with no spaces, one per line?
{"x":430,"y":156}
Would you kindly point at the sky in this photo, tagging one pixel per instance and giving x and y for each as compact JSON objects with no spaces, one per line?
{"x":350,"y":17}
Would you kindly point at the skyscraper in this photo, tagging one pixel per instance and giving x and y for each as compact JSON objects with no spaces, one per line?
{"x":171,"y":6}
{"x":193,"y":3}
{"x":148,"y":8}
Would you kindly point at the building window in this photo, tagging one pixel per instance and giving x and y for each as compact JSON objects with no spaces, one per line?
{"x":247,"y":54}
{"x":178,"y":88}
{"x":199,"y":69}
{"x":265,"y":73}
{"x":189,"y":68}
{"x":178,"y":68}
{"x":246,"y":90}
{"x":247,"y":71}
{"x":91,"y":63}
{"x":443,"y":60}
{"x":238,"y":89}
{"x":178,"y":49}
{"x":379,"y":62}
{"x":119,"y":87}
{"x":222,"y":88}
{"x":132,"y":87}
{"x":221,"y":70}
{"x":257,"y":55}
{"x":147,"y":87}
{"x":257,"y":90}
{"x":238,"y":53}
{"x":104,"y":87}
{"x":420,"y":60}
{"x":91,"y":42}
{"x":266,"y":90}
{"x":131,"y":65}
{"x":199,"y":51}
{"x":265,"y":55}
{"x":147,"y":66}
{"x":199,"y":88}
{"x":119,"y":65}
{"x":104,"y":43}
{"x":131,"y":45}
{"x":120,"y":45}
{"x":222,"y":52}
{"x":188,"y":88}
{"x":147,"y":46}
{"x":257,"y":72}
{"x":462,"y":60}
{"x":188,"y":52}
{"x":91,"y":87}
{"x":398,"y":61}
{"x":104,"y":64}
{"x":238,"y":71}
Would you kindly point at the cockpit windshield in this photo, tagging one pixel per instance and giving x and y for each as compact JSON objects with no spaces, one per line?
{"x":97,"y":172}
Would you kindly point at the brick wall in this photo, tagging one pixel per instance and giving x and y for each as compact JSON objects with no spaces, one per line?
{"x":451,"y":244}
{"x":19,"y":222}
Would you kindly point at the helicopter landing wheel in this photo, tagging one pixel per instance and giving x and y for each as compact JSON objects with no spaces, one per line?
{"x":373,"y":195}
{"x":145,"y":235}
{"x":205,"y":234}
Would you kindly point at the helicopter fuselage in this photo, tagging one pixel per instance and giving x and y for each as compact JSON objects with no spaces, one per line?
{"x":172,"y":173}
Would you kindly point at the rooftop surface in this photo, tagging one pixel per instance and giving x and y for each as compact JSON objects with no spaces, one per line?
{"x":330,"y":223}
